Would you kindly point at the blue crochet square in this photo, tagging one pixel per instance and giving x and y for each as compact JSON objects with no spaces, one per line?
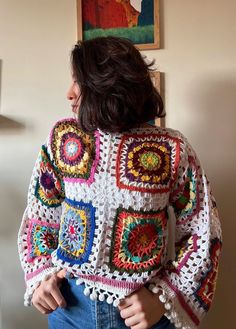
{"x":76,"y":232}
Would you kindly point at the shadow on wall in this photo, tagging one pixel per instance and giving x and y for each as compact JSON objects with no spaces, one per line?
{"x":7,"y":124}
{"x":10,"y":125}
{"x":213,"y":103}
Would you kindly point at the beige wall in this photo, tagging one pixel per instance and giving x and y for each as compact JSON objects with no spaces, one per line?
{"x":198,"y":59}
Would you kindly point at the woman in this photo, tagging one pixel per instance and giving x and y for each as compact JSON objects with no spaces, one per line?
{"x":118,"y":210}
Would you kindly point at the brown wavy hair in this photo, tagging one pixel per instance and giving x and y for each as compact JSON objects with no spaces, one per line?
{"x":117,"y":92}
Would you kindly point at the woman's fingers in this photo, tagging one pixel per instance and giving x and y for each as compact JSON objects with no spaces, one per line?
{"x":51,"y":288}
{"x":42,"y":310}
{"x":47,"y":297}
{"x":134,"y":320}
{"x":141,"y":309}
{"x":43,"y":303}
{"x":61,"y":274}
{"x":57,"y":296}
{"x":49,"y":302}
{"x":127,"y":312}
{"x":124,"y":303}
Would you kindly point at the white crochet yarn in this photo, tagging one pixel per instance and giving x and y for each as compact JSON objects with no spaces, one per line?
{"x":199,"y":226}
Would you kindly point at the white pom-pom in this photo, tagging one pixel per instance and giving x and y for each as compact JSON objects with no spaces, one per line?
{"x":79,"y":281}
{"x":162,"y":298}
{"x":178,"y":324}
{"x":110,"y":300}
{"x":87,"y":291}
{"x":101,"y":297}
{"x":151,"y":286}
{"x":167,"y":306}
{"x":116,"y":302}
{"x":173,"y":314}
{"x":155,"y":289}
{"x":93,"y":296}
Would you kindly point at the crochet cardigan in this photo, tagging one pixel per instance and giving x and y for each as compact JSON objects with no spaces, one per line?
{"x":120,"y":210}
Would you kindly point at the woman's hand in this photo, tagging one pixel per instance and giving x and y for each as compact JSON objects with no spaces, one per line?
{"x":47,"y":297}
{"x":141,"y":310}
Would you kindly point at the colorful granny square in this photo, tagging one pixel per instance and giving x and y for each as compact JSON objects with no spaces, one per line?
{"x":184,"y":249}
{"x":49,"y":187}
{"x":205,"y":291}
{"x":76,"y":232}
{"x":147,"y":163}
{"x":76,"y":153}
{"x":138,"y":240}
{"x":42,"y":239}
{"x":188,"y":203}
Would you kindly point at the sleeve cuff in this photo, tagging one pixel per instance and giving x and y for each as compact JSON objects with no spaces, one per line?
{"x":34,"y":279}
{"x":177,"y":310}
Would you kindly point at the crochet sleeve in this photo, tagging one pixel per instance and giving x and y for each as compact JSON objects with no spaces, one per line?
{"x":188,"y":281}
{"x":38,"y":234}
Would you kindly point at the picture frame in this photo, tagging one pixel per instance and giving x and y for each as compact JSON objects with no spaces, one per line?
{"x":144,"y":35}
{"x":156,"y":79}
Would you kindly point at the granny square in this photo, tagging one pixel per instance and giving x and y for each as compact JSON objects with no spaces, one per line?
{"x":147,"y":163}
{"x":138,"y":240}
{"x":76,"y":232}
{"x":42,"y":239}
{"x":49,"y":188}
{"x":76,"y":153}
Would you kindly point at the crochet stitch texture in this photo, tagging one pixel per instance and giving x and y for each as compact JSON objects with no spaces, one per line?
{"x":110,"y":208}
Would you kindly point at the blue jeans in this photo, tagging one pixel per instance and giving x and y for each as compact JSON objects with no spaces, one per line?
{"x":83,"y":313}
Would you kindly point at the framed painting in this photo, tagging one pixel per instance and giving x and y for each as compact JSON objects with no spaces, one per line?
{"x":137,"y":20}
{"x":156,"y":79}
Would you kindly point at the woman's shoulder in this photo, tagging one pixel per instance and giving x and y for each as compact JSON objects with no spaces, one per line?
{"x":149,"y":130}
{"x":167,"y":140}
{"x":65,"y":124}
{"x":65,"y":128}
